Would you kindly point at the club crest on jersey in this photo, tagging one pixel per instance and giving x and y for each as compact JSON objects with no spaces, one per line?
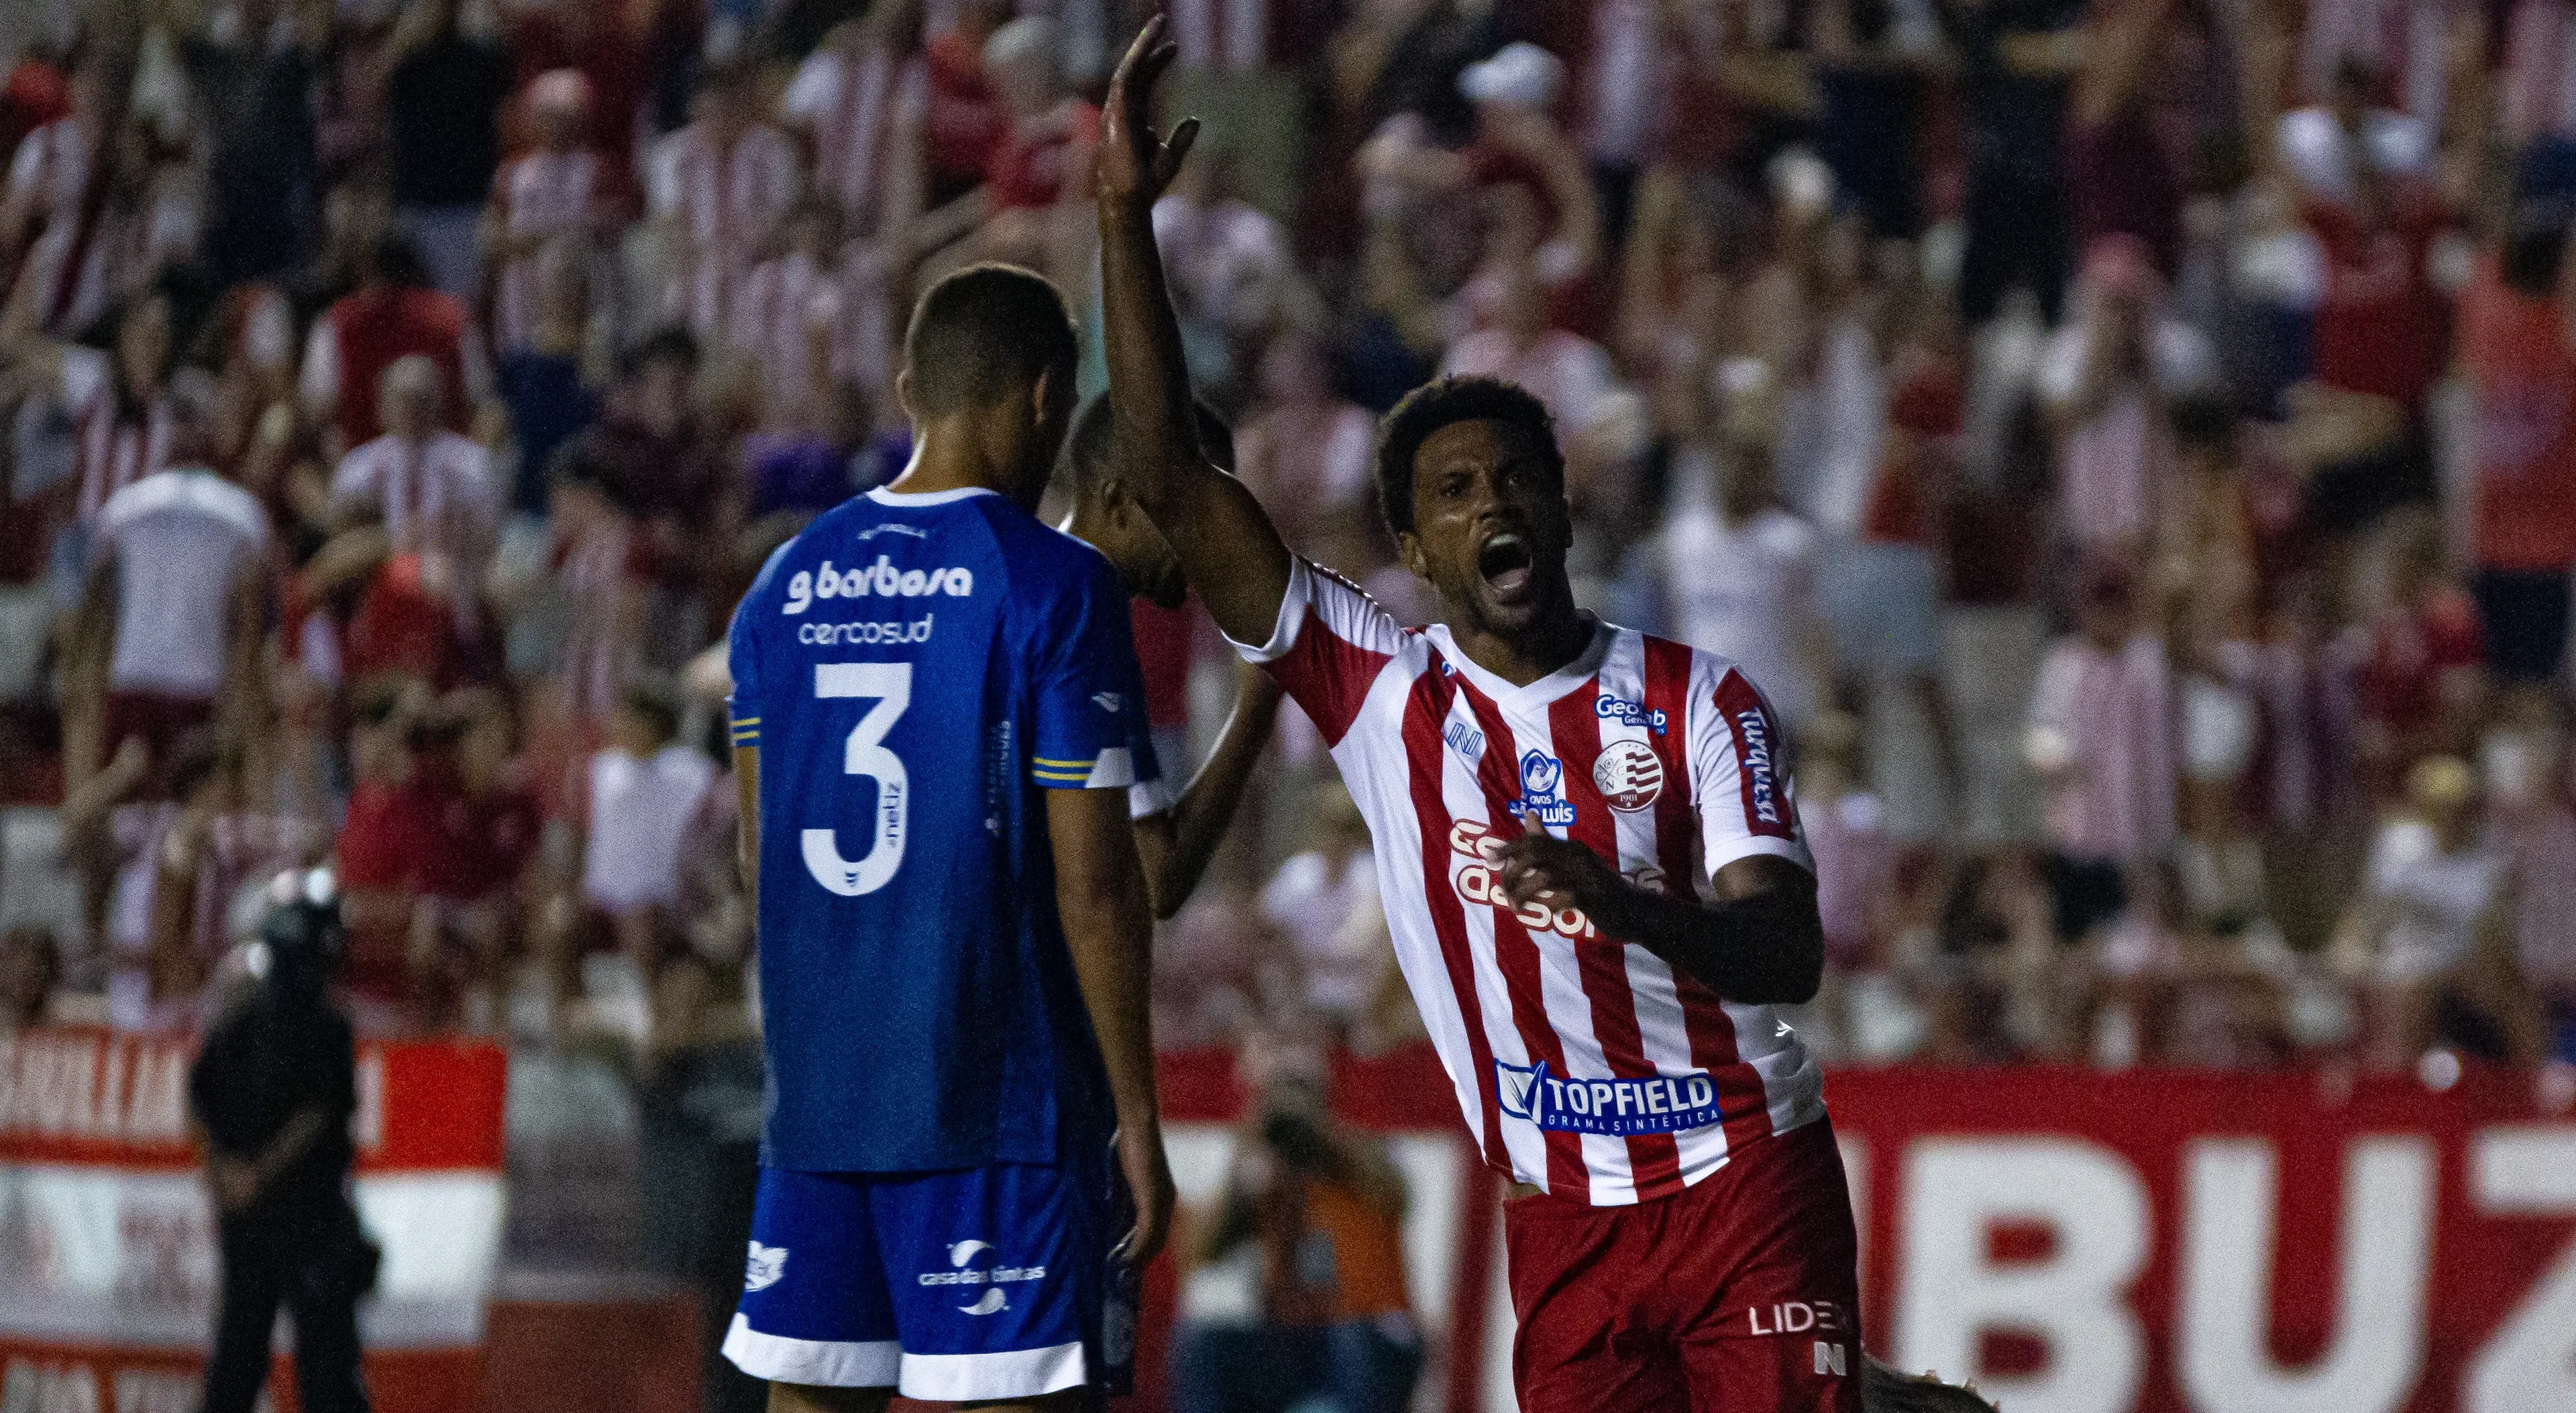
{"x":1662,"y":1103}
{"x":1628,"y":713}
{"x":1541,"y":777}
{"x":1628,"y":774}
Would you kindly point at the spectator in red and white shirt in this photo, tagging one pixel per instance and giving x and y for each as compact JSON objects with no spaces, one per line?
{"x":818,"y":323}
{"x":392,"y":315}
{"x":2101,"y":740}
{"x":93,"y":211}
{"x":862,"y":100}
{"x":432,"y":488}
{"x":553,"y":202}
{"x":718,"y":188}
{"x":2521,"y":367}
{"x":2106,"y":377}
{"x":1567,"y":371}
{"x":1305,"y":450}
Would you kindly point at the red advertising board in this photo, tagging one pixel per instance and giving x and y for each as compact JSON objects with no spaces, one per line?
{"x":2146,"y":1242}
{"x":107,"y":1249}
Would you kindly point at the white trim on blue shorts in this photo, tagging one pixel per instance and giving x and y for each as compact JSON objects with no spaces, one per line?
{"x":974,"y":1378}
{"x":822,"y":1363}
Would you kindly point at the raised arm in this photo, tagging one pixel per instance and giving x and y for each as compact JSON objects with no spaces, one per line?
{"x":1228,"y":548}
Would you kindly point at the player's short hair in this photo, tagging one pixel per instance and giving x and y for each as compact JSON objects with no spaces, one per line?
{"x":1438,"y":404}
{"x":982,"y":334}
{"x":1086,"y":452}
{"x":672,"y":343}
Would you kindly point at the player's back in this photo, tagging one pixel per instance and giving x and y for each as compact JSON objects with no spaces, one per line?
{"x":913,"y":668}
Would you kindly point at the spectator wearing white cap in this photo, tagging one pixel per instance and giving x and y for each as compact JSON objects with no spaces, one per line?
{"x":1518,"y":141}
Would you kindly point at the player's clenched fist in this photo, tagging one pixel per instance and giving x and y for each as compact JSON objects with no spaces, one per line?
{"x":1538,"y":867}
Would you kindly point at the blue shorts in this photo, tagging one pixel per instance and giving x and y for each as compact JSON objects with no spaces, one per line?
{"x":979,"y":1283}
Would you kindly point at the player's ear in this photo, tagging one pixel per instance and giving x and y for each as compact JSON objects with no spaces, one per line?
{"x":1408,"y":552}
{"x":903,"y":394}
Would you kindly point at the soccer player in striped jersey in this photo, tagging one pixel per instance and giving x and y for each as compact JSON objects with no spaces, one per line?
{"x":1591,"y":861}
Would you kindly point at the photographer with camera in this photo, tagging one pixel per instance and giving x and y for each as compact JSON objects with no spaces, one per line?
{"x":271,"y":1093}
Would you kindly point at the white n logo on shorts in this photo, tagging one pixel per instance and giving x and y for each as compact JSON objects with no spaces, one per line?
{"x":1829,"y":1358}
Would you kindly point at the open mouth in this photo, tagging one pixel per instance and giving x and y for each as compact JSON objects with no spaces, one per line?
{"x":1505,"y":562}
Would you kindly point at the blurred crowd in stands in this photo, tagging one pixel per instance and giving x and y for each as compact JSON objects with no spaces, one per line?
{"x":2133,"y":444}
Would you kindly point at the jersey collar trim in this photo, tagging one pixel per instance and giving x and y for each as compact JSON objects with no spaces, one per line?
{"x":882,"y":496}
{"x":1584,"y":668}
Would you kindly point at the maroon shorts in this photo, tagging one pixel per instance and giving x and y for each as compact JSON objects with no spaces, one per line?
{"x":1738,"y":1294}
{"x":161,"y":721}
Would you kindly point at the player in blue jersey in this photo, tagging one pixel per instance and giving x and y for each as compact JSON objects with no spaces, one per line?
{"x":1176,"y":835}
{"x":936,"y":722}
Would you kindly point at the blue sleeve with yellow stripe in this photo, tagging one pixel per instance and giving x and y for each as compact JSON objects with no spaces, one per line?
{"x":1090,"y":696}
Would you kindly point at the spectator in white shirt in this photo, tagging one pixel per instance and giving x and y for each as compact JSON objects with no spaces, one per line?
{"x":2431,"y":932}
{"x":642,"y":792}
{"x":175,"y":594}
{"x":432,"y":488}
{"x":1739,"y":577}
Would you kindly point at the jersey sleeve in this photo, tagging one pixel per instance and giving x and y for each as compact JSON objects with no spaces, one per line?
{"x":742,"y":655}
{"x":1738,"y":785}
{"x":1329,"y":645}
{"x":1089,"y":731}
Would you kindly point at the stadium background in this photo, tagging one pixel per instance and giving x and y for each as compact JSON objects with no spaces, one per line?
{"x":2133,"y":443}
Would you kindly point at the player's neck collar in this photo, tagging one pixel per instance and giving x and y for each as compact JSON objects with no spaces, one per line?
{"x":1546,"y":689}
{"x":916,"y":499}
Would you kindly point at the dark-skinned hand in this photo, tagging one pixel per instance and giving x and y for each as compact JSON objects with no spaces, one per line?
{"x":1134,"y":163}
{"x":1539,"y":867}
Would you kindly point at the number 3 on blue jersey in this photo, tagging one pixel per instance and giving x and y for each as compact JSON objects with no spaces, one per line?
{"x":890,"y":683}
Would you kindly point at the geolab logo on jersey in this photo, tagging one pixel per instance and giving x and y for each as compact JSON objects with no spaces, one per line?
{"x":1660,"y":1103}
{"x":1628,"y":713}
{"x":1542,"y":779}
{"x":879,"y":580}
{"x":962,"y":1270}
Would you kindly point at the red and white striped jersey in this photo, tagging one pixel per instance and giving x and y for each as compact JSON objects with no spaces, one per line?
{"x":854,"y":105}
{"x":721,"y":205}
{"x":114,"y":447}
{"x":1586,"y":1067}
{"x":2406,"y":41}
{"x":776,"y":314}
{"x":2538,"y":97}
{"x":553,"y":200}
{"x":436,"y":496}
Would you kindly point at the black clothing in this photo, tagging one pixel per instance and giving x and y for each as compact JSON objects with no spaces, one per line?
{"x":262,"y":186}
{"x":283,"y":1051}
{"x":300,"y":1260}
{"x":443,"y":111}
